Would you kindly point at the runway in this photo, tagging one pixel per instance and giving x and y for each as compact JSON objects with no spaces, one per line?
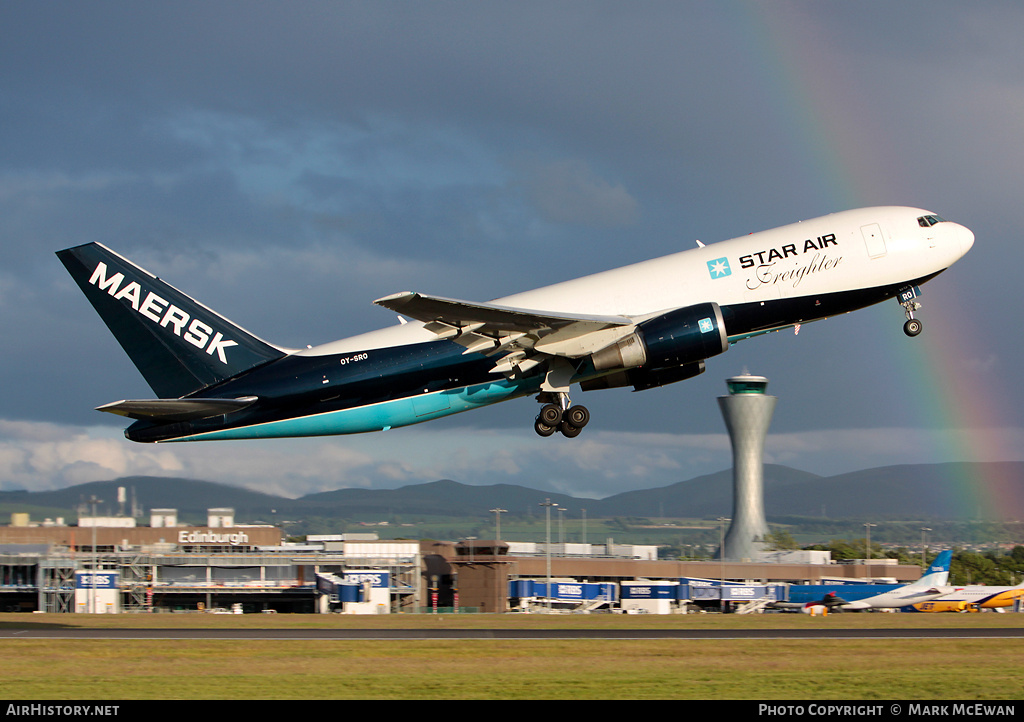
{"x":506,"y":634}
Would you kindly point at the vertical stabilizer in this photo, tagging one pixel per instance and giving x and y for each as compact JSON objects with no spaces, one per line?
{"x":937,"y":575}
{"x":178,"y":344}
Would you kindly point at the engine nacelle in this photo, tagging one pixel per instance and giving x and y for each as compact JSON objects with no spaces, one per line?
{"x":642,"y":379}
{"x":665,"y":349}
{"x":679,"y":337}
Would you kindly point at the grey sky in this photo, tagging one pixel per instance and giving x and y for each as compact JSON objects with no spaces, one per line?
{"x":287,"y":163}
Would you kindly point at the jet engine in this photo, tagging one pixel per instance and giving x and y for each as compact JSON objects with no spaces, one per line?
{"x":664,"y":349}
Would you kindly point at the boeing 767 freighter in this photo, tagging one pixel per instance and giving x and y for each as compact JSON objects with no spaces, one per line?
{"x":641,"y":326}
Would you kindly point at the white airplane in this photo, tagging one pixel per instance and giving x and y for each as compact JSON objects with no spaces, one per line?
{"x":930,"y":586}
{"x":641,"y":326}
{"x":972,"y":599}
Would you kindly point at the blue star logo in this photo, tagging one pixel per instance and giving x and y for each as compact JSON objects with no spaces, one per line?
{"x":719,"y":268}
{"x":706,"y":325}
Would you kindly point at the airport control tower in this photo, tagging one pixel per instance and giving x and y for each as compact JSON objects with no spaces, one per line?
{"x":748,"y":412}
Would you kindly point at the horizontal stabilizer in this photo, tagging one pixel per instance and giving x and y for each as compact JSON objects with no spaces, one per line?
{"x":932,"y":591}
{"x":171,"y":410}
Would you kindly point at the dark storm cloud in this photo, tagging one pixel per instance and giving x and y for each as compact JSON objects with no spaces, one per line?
{"x":286,"y":163}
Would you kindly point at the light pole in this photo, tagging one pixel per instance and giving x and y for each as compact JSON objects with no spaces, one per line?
{"x":497,"y":521}
{"x":95,"y":555}
{"x":721,"y":559}
{"x":547,"y":504}
{"x":924,"y":548}
{"x":867,"y":541}
{"x":721,"y":545}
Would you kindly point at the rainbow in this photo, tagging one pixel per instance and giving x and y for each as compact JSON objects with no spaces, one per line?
{"x":824,"y":120}
{"x":962,"y":397}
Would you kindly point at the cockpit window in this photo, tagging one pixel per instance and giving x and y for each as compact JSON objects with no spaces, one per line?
{"x":927,"y":221}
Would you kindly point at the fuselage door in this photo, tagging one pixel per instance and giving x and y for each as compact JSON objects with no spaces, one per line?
{"x":874,"y":240}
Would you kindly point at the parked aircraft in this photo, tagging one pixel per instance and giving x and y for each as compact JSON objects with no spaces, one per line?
{"x":830,"y":602}
{"x":641,"y":326}
{"x":971,"y":599}
{"x":930,"y":586}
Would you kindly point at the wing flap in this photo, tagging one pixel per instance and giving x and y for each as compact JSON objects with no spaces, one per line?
{"x":171,"y":410}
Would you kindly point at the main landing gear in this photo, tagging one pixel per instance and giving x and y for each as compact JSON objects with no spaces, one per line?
{"x":557,"y":415}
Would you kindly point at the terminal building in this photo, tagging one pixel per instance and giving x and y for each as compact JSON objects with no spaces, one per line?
{"x":112,"y":565}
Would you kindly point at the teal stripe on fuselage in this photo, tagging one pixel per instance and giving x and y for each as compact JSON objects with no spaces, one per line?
{"x":383,"y":415}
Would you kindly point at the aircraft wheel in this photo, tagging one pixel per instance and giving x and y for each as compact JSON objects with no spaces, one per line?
{"x":543,"y":429}
{"x":912,"y":327}
{"x":578,"y":416}
{"x":568,"y":430}
{"x":550,"y":415}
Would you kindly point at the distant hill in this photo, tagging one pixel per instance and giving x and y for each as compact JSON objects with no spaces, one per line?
{"x":702,"y":497}
{"x":188,"y":496}
{"x":958,"y":491}
{"x":436,"y":498}
{"x":953,"y":491}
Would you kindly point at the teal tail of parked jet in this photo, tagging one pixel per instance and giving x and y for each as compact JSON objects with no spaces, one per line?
{"x":930,"y":586}
{"x":641,"y":326}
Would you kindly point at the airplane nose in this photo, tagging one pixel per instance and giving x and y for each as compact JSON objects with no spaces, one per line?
{"x":966,"y":238}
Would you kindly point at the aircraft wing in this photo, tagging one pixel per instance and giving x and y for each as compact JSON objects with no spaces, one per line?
{"x":169,"y":410}
{"x":488,"y":328}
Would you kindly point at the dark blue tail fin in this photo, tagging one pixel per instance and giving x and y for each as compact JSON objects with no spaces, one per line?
{"x":178,"y":344}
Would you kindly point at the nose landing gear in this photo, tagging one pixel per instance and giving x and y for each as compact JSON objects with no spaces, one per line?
{"x":558,"y":415}
{"x":907,"y":299}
